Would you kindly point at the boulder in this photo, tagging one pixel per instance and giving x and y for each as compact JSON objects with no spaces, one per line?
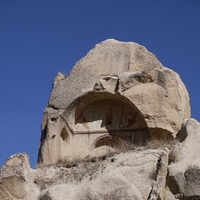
{"x":184,"y":174}
{"x":16,"y":179}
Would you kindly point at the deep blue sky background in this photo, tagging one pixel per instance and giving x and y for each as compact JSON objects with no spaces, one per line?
{"x":39,"y":38}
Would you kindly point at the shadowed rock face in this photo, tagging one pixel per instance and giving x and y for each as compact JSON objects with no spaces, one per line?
{"x":118,"y":89}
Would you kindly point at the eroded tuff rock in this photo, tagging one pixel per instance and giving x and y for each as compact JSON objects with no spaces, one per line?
{"x":117,"y":97}
{"x":118,"y":92}
{"x":124,"y":176}
{"x":143,"y":173}
{"x":16,"y":179}
{"x":137,"y":174}
{"x":184,"y":174}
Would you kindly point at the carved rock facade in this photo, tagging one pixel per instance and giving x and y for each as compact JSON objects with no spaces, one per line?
{"x":118,"y":92}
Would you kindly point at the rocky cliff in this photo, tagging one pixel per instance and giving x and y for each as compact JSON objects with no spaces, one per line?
{"x":118,"y":127}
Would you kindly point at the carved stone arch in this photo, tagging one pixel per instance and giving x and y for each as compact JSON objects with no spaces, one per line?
{"x":103,"y":112}
{"x":65,"y":144}
{"x":106,"y":144}
{"x":97,"y":114}
{"x":65,"y":135}
{"x":108,"y":140}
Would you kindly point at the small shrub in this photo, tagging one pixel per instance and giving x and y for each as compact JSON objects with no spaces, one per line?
{"x":124,"y":146}
{"x":156,"y":143}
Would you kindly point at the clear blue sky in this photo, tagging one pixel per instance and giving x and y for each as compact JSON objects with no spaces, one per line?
{"x":39,"y":38}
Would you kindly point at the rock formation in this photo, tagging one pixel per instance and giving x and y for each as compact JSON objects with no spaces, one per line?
{"x":184,"y":174}
{"x":117,"y":127}
{"x":16,"y":179}
{"x":118,"y":91}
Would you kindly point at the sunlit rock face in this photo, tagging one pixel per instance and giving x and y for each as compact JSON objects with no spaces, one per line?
{"x":117,"y":97}
{"x":16,"y":179}
{"x":119,"y":92}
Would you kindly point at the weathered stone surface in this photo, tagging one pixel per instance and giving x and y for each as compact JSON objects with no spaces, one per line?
{"x":117,"y":99}
{"x":118,"y":89}
{"x":139,"y":174}
{"x":184,"y":175}
{"x":135,"y":174}
{"x":16,"y":179}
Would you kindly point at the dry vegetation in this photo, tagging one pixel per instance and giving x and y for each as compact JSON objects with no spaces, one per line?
{"x":86,"y":169}
{"x":123,"y":147}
